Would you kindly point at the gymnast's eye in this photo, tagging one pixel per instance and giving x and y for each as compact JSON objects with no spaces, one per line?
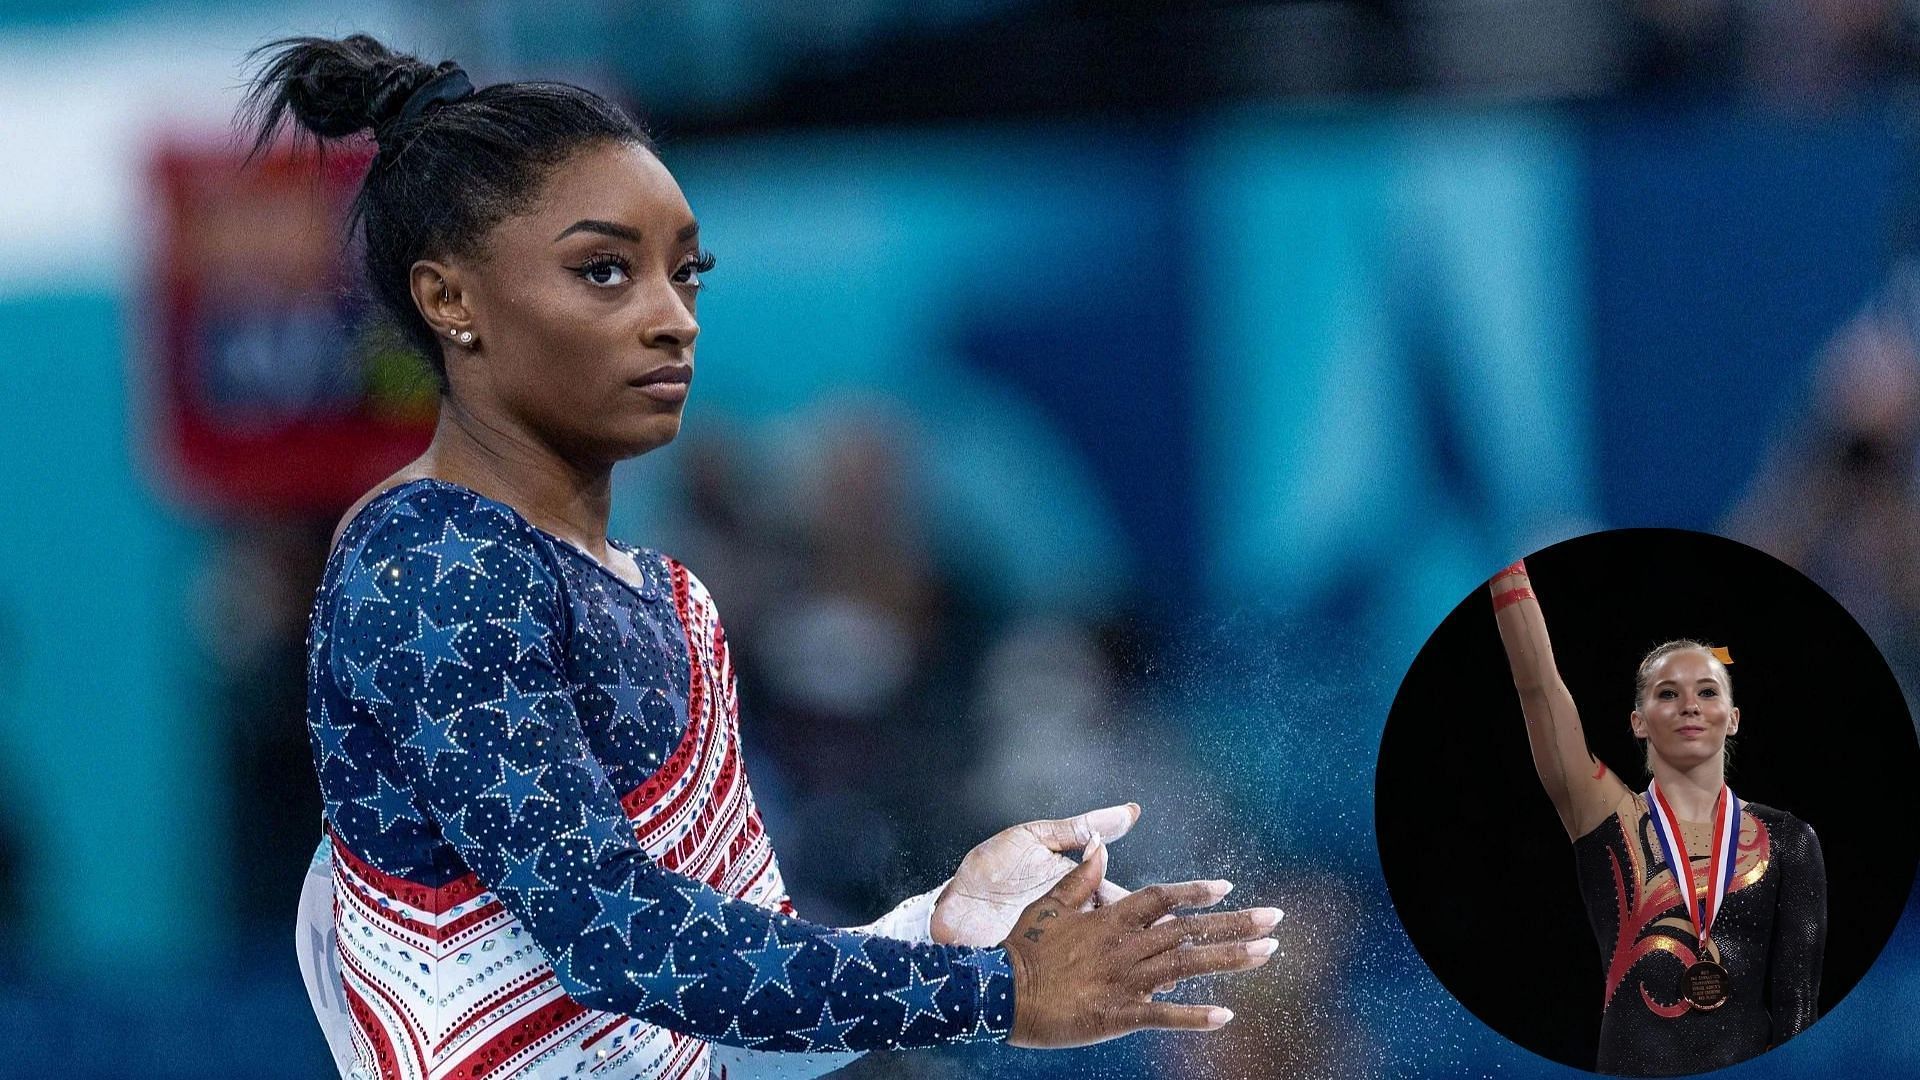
{"x":1709,"y":691}
{"x":605,"y":271}
{"x":690,"y":271}
{"x":1666,"y":693}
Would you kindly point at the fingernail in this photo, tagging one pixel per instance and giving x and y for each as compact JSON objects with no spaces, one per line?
{"x":1220,"y":888}
{"x":1093,"y":844}
{"x":1218,"y":1017}
{"x":1265,"y":918}
{"x":1135,"y":807}
{"x":1263,"y":947}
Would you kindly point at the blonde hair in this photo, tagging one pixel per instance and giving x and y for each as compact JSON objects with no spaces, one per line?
{"x":1644,"y":675}
{"x":1662,"y":651}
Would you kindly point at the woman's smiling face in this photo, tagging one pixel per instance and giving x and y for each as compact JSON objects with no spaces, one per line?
{"x":583,"y":308}
{"x":1687,"y":711}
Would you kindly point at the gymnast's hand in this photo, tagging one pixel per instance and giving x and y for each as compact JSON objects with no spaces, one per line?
{"x":1013,"y":868}
{"x":1085,"y":976}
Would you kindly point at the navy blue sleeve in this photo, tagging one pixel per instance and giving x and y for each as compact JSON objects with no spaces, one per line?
{"x":460,"y":607}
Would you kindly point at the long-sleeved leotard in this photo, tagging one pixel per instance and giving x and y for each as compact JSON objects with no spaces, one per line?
{"x":1769,"y":935}
{"x":546,"y":855}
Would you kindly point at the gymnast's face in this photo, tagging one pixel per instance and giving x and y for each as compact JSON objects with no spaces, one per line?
{"x":582,"y":307}
{"x":1687,"y":712}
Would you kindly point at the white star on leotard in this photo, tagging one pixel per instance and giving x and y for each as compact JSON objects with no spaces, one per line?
{"x":769,"y":963}
{"x":733,"y":1036}
{"x":848,"y":948}
{"x":362,"y":587}
{"x":828,"y":1034}
{"x":333,"y":739}
{"x":664,"y":985}
{"x":524,"y":877}
{"x":454,"y":550}
{"x":435,"y":645}
{"x":432,"y":737}
{"x":529,"y":633}
{"x":626,"y":699}
{"x":518,"y":788}
{"x":618,"y":908}
{"x":599,"y":834}
{"x":570,"y":978}
{"x":389,"y":803}
{"x":364,"y":687}
{"x":520,"y":708}
{"x":918,"y":996}
{"x":702,"y":903}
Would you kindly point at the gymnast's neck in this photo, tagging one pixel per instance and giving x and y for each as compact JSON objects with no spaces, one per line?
{"x":1690,"y":791}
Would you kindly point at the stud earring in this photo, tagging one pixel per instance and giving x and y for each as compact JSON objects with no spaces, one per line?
{"x":466,"y":338}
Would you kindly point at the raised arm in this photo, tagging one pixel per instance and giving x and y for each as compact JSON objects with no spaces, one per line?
{"x":1584,"y":792}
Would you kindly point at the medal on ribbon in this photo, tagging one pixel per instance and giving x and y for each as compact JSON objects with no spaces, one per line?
{"x":1704,"y":985}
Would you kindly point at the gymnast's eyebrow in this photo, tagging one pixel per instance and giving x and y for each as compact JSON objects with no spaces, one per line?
{"x":620,"y":232}
{"x":604,"y":228}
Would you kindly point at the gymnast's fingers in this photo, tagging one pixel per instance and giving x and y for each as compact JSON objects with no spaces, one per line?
{"x":1171,"y":1017}
{"x":1209,"y":929}
{"x":1078,"y":886}
{"x":1072,"y":834}
{"x":1162,"y":971}
{"x":1149,"y":903}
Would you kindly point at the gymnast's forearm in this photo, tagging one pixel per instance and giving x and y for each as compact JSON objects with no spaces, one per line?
{"x":1573,"y":779}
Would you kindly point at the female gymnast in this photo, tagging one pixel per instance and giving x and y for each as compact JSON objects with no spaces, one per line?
{"x":545,"y":857}
{"x":1715,"y":965}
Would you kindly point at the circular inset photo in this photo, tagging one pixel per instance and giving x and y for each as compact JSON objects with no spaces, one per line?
{"x":1613,"y":707}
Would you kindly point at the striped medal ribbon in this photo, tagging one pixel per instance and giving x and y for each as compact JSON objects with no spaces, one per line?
{"x":1704,"y":984}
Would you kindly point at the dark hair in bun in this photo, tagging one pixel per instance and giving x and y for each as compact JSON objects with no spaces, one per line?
{"x":444,"y":175}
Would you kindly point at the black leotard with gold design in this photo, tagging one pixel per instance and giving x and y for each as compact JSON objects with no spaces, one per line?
{"x":1769,"y":935}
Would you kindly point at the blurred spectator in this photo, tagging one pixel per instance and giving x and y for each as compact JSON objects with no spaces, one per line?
{"x":252,"y":604}
{"x":1839,"y":496}
{"x":1797,"y":53}
{"x":1824,"y":51}
{"x":852,"y":655}
{"x":1687,"y":43}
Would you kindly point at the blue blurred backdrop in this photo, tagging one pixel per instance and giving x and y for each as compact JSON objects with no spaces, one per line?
{"x":1088,"y":409}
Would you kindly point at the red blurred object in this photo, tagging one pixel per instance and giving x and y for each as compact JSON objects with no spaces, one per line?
{"x":275,"y":388}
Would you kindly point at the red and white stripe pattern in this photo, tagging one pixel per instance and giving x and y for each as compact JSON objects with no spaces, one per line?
{"x":446,"y":983}
{"x":1673,"y":848}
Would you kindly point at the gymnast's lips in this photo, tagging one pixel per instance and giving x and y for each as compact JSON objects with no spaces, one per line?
{"x":1692,"y":729}
{"x":666,"y":383}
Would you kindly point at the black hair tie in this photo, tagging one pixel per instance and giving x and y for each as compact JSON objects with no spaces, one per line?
{"x":449,"y":85}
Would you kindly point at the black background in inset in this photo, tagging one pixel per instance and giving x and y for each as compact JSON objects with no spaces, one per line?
{"x":1481,"y":872}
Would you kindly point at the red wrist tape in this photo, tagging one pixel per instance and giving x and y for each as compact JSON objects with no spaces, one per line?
{"x":1519,"y":568}
{"x":1511,"y":597}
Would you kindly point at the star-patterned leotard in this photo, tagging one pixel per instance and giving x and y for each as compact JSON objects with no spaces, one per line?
{"x":546,"y":856}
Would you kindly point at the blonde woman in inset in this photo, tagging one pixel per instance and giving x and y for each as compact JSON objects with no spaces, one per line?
{"x":1702,"y":969}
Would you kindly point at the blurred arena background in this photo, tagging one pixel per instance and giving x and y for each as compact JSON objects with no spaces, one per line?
{"x":1089,"y":409}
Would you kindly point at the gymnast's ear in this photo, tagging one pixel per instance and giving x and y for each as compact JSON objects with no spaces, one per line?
{"x":436,"y":292}
{"x":1638,"y":725}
